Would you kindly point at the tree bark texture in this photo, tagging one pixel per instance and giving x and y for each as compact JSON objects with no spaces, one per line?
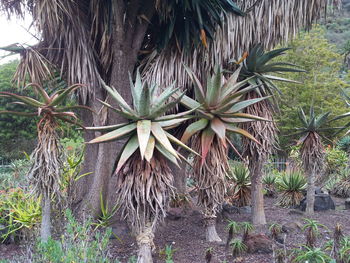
{"x":99,"y":160}
{"x":310,"y":195}
{"x":210,"y":230}
{"x":256,"y":174}
{"x":45,"y":231}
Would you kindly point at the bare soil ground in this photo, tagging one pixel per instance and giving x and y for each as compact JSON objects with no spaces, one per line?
{"x":187,"y":235}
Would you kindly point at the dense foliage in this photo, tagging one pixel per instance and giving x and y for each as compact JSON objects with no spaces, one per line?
{"x":321,"y":85}
{"x":16,"y":132}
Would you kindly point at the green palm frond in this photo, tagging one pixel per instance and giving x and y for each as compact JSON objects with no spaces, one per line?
{"x":259,"y":66}
{"x":146,"y":129}
{"x":185,"y":23}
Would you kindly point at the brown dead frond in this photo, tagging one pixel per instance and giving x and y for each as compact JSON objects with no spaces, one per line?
{"x":44,"y":174}
{"x":268,"y":22}
{"x":210,"y":176}
{"x":144,"y":190}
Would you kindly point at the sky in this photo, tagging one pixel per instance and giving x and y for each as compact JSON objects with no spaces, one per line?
{"x":14,"y":31}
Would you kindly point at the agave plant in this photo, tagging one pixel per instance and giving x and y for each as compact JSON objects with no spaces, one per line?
{"x":219,"y":109}
{"x":239,"y":190}
{"x":144,"y":179}
{"x":269,"y":182}
{"x":259,"y":69}
{"x":44,"y":174}
{"x":312,"y":151}
{"x":291,"y":188}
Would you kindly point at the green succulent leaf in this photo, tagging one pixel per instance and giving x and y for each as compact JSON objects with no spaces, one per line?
{"x":130,"y":147}
{"x":234,"y":129}
{"x":143,"y":133}
{"x":106,"y":128}
{"x":162,"y":138}
{"x":166,"y":153}
{"x":194,"y":128}
{"x":150,"y":148}
{"x":218,"y":127}
{"x":180,"y":143}
{"x":62,"y":96}
{"x":26,"y":100}
{"x":116,"y":134}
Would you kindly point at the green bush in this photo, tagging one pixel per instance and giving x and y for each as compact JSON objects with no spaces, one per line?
{"x":78,"y":244}
{"x":239,"y":192}
{"x":291,"y":186}
{"x":336,"y":160}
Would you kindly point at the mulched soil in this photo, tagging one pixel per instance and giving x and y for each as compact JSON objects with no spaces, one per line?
{"x":187,"y":235}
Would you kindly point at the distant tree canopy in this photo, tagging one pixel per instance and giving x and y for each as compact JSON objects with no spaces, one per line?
{"x":321,"y":86}
{"x":16,"y":132}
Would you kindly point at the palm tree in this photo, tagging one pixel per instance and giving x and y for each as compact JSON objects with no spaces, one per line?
{"x":312,"y":151}
{"x":257,"y":67}
{"x":144,"y":180}
{"x":44,"y":174}
{"x":219,"y":107}
{"x":92,"y":41}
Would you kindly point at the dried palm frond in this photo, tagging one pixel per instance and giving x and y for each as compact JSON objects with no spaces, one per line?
{"x":264,"y":132}
{"x":210,"y":176}
{"x":44,"y":174}
{"x":143,"y":190}
{"x":64,"y":41}
{"x":268,"y":23}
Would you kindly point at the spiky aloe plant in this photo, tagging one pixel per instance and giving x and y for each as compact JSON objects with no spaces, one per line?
{"x":219,"y":109}
{"x":44,"y":174}
{"x":144,"y":179}
{"x":260,"y":69}
{"x":239,"y":193}
{"x":312,"y":151}
{"x":291,"y":186}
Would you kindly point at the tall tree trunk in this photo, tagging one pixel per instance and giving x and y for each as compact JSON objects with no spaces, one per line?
{"x":310,"y":195}
{"x":256,"y":174}
{"x":45,"y":230}
{"x":100,"y":159}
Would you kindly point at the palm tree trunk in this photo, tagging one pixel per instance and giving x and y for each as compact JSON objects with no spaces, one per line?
{"x":258,"y":212}
{"x":310,"y":195}
{"x":45,"y":230}
{"x":101,"y":159}
{"x":210,"y":230}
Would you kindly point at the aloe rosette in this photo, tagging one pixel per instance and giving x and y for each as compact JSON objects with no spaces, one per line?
{"x":219,"y":109}
{"x":44,"y":174}
{"x":144,"y":179}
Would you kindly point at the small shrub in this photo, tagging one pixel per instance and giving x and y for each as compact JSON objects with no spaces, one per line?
{"x":168,"y":253}
{"x":312,"y":255}
{"x":79,"y":244}
{"x":20,"y":213}
{"x":275,"y":229}
{"x":238,"y":247}
{"x":311,"y":229}
{"x":291,"y":188}
{"x":341,"y":185}
{"x":239,"y":192}
{"x":269,"y":182}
